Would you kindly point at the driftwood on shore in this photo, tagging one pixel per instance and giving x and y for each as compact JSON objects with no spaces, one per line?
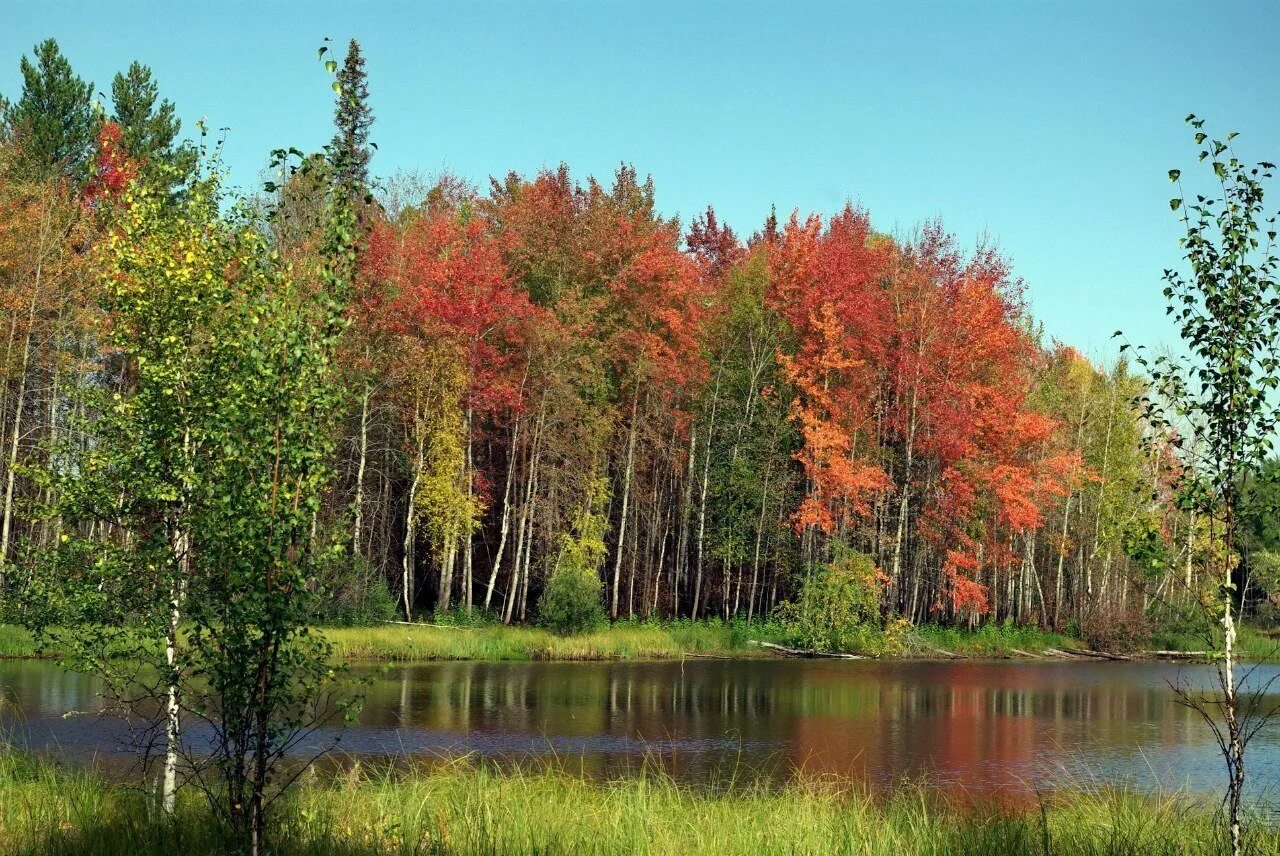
{"x":950,"y":655}
{"x":806,"y":652}
{"x":1177,"y":655}
{"x":1085,"y":652}
{"x":427,"y":624}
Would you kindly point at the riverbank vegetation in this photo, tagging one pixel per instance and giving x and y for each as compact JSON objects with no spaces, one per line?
{"x":464,"y":810}
{"x":477,"y":639}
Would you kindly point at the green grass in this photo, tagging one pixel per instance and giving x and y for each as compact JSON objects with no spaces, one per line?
{"x":670,"y":640}
{"x":464,"y":810}
{"x":16,"y":642}
{"x":623,"y":641}
{"x":1252,"y":643}
{"x":990,"y":640}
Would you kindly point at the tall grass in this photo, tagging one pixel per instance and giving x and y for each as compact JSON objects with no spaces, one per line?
{"x":991,"y":639}
{"x":465,"y":810}
{"x":16,"y":642}
{"x":666,"y":640}
{"x":623,"y":641}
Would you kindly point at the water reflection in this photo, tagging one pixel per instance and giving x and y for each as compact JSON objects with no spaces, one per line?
{"x":981,"y":726}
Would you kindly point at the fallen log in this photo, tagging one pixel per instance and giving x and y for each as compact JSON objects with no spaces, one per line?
{"x":1085,"y":652}
{"x":428,"y":624}
{"x":805,"y":652}
{"x":1058,"y":652}
{"x":1177,"y":655}
{"x":948,"y":654}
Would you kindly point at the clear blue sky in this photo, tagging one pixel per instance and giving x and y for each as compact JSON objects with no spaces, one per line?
{"x":1049,"y":126}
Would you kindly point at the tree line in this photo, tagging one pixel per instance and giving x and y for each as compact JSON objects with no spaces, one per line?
{"x":549,"y":374}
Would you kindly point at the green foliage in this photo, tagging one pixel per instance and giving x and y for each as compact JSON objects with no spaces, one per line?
{"x":212,"y":456}
{"x":353,"y":118}
{"x":571,"y":599}
{"x":1219,"y":401}
{"x":1219,"y":398}
{"x":1264,"y":579}
{"x":352,"y":593}
{"x":149,"y":124}
{"x":837,"y":606}
{"x":1144,"y":542}
{"x":53,"y":120}
{"x":752,"y":439}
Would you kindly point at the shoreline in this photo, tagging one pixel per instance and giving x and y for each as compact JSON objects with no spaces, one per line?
{"x":401,"y":643}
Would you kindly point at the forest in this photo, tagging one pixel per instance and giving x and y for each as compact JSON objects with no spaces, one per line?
{"x":547,"y":376}
{"x":253,"y":440}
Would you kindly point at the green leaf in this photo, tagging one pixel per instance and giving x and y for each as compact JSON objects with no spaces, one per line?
{"x":1175,"y":174}
{"x":1175,"y":204}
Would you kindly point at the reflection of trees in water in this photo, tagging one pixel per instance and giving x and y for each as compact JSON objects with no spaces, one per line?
{"x":978,"y":723}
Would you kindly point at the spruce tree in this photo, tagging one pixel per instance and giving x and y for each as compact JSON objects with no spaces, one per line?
{"x":353,"y":118}
{"x":54,"y":118}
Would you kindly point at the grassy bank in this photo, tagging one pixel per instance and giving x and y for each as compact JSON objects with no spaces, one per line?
{"x":624,"y":641}
{"x":1252,"y":643}
{"x":989,"y":640}
{"x":657,"y":641}
{"x":465,"y":810}
{"x":673,"y":640}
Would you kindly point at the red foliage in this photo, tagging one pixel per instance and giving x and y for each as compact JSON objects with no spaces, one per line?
{"x":440,"y":277}
{"x":112,"y":168}
{"x":915,"y":357}
{"x":828,"y":286}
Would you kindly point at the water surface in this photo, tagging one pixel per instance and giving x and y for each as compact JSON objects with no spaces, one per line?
{"x":981,"y":726}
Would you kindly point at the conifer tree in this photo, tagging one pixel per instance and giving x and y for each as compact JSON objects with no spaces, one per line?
{"x":353,"y":118}
{"x":54,"y":117}
{"x":149,"y":124}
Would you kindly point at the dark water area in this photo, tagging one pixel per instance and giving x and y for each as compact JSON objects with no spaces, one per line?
{"x":982,"y":727}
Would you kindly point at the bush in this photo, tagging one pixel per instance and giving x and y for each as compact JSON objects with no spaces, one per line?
{"x":1115,"y":630}
{"x":570,"y":601}
{"x":1264,"y":588}
{"x":837,"y":607}
{"x":356,"y":594}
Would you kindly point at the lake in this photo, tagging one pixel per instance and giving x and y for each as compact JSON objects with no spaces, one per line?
{"x":981,"y":726}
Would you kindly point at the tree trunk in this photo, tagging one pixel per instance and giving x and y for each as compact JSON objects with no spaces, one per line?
{"x":357,"y":523}
{"x":702,"y":502}
{"x":626,"y":497}
{"x":6,"y":528}
{"x":506,"y":515}
{"x":469,"y":535}
{"x":682,"y":544}
{"x":410,"y":530}
{"x":173,"y":725}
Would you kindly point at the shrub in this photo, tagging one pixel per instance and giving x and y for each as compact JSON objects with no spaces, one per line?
{"x":1115,"y":629}
{"x":837,"y":607}
{"x":570,"y":601}
{"x":1264,"y":579}
{"x":356,"y":594}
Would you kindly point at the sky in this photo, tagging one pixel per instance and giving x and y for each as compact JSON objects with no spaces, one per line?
{"x":1045,"y":128}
